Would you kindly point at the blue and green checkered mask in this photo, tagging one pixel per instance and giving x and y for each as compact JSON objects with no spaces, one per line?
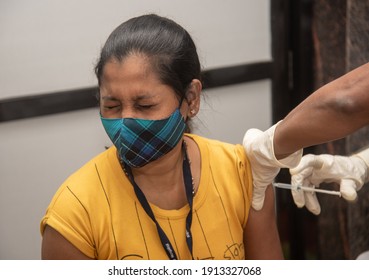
{"x":140,"y":141}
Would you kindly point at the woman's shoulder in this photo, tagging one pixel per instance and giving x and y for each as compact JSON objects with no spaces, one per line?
{"x":218,"y":147}
{"x":87,"y":187}
{"x":93,"y":173}
{"x":102,"y":160}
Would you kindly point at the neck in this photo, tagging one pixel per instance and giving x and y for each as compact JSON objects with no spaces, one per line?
{"x":167,"y":164}
{"x":166,"y":169}
{"x":162,"y":180}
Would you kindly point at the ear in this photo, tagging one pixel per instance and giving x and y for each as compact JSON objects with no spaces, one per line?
{"x":193,"y":97}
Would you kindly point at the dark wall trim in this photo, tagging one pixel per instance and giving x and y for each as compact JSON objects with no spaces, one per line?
{"x":292,"y":54}
{"x":46,"y":104}
{"x":59,"y":102}
{"x":237,"y":74}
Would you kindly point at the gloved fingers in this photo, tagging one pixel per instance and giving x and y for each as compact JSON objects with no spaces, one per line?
{"x":298,"y":197}
{"x":348,"y":189}
{"x":301,"y":178}
{"x":318,"y":161}
{"x":308,"y":161}
{"x":258,"y":197}
{"x":312,"y":203}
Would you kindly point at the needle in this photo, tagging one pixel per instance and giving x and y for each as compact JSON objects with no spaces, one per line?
{"x":308,"y":189}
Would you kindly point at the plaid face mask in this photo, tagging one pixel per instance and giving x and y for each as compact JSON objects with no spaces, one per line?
{"x":141,"y":141}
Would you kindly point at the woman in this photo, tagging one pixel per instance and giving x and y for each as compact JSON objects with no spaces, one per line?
{"x":158,"y":193}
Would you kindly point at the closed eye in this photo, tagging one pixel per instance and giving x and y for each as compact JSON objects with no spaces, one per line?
{"x":111,"y":107}
{"x":145,"y":106}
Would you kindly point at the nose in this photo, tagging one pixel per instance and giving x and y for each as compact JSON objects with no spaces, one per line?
{"x":128,"y":112}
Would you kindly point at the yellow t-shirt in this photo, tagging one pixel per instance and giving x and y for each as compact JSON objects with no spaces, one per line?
{"x":97,"y":210}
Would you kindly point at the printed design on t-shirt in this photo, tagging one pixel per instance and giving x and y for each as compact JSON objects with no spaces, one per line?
{"x":234,"y":252}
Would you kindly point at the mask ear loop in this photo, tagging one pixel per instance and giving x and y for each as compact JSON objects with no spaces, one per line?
{"x":184,"y":95}
{"x":181,"y":101}
{"x":186,"y":118}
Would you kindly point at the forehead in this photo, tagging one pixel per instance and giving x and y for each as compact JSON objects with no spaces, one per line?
{"x":131,"y":76}
{"x":130,"y":67}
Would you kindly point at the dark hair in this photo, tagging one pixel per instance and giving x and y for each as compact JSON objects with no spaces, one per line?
{"x":168,"y":46}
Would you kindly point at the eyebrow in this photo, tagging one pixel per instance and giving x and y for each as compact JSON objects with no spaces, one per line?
{"x":144,"y":96}
{"x":109,"y":98}
{"x":141,"y":96}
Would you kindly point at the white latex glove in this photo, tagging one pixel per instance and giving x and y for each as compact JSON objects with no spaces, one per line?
{"x":265,"y":167}
{"x":349,"y":172}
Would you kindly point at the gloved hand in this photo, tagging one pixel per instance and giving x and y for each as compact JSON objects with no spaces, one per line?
{"x":265,"y":167}
{"x":350,"y":172}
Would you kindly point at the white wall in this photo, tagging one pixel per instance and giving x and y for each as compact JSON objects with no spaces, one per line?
{"x":47,"y":46}
{"x":52,"y":45}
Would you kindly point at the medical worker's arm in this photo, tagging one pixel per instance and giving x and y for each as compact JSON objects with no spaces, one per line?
{"x":332,"y":112}
{"x":56,"y":247}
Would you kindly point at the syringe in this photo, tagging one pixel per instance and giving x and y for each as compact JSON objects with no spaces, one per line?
{"x":307,"y":189}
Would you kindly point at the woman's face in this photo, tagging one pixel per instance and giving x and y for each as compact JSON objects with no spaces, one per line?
{"x":130,"y":89}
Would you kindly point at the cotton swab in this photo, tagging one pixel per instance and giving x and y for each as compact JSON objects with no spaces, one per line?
{"x":307,"y":189}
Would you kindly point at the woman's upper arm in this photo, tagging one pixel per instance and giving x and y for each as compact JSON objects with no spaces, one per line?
{"x":56,"y":247}
{"x":261,"y":237}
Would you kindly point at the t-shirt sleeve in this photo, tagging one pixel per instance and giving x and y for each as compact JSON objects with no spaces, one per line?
{"x":245,"y":176}
{"x":67,"y":215}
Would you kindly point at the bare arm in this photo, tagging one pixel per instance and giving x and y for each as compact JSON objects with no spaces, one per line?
{"x":332,"y":112}
{"x":261,"y":237}
{"x":56,"y":247}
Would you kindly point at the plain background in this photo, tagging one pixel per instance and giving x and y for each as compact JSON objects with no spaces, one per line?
{"x":48,"y":46}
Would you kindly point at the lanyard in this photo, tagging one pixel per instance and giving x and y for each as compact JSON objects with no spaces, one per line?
{"x":145,"y":204}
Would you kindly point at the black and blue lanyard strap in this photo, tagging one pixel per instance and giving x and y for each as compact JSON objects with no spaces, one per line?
{"x":145,"y":204}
